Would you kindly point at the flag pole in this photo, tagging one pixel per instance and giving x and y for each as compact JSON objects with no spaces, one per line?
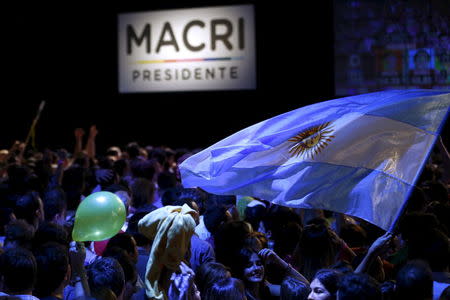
{"x":393,"y":228}
{"x":33,"y":125}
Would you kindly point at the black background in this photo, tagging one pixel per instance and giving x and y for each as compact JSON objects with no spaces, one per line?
{"x":66,"y":54}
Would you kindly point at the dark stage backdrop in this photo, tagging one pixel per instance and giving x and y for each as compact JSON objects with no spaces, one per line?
{"x":66,"y":54}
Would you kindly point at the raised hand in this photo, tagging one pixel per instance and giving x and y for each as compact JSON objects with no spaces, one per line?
{"x":182,"y":284}
{"x":77,"y":255}
{"x":270,"y":257}
{"x":93,"y":131}
{"x":79,"y":132}
{"x":381,"y":244}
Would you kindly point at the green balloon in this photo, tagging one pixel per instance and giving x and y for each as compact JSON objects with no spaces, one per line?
{"x":99,"y":217}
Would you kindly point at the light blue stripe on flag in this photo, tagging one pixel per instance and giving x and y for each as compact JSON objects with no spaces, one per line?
{"x":358,"y":155}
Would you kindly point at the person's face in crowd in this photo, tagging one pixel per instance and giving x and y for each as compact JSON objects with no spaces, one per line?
{"x":318,"y":291}
{"x":254,"y":270}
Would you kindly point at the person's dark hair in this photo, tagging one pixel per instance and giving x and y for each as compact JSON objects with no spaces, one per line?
{"x":18,"y":178}
{"x":278,"y":215}
{"x":142,"y":192}
{"x":276,"y":222}
{"x":358,"y":286}
{"x":50,"y":232}
{"x":433,"y":247}
{"x":226,"y":289}
{"x":293,"y":289}
{"x":106,"y":273}
{"x":125,"y":260}
{"x":342,"y":266}
{"x":55,"y":202}
{"x":215,"y":200}
{"x":26,"y":207}
{"x":167,"y":180}
{"x":287,"y":239}
{"x":318,"y":221}
{"x":19,"y":233}
{"x":353,"y":235}
{"x":52,"y":265}
{"x":116,"y":187}
{"x":315,"y":250}
{"x":230,"y":238}
{"x":254,"y":215}
{"x":171,"y":195}
{"x":132,"y":149}
{"x":104,"y":162}
{"x":213,"y":217}
{"x":73,"y":184}
{"x":256,"y":240}
{"x":417,"y":201}
{"x":105,"y":174}
{"x":179,"y":152}
{"x":124,"y":241}
{"x":208,"y":273}
{"x":414,"y":281}
{"x":329,"y":278}
{"x":143,"y":169}
{"x":18,"y":269}
{"x":133,"y":229}
{"x":189,"y":202}
{"x":121,"y":166}
{"x":195,"y":195}
{"x":159,"y":154}
{"x":413,"y":226}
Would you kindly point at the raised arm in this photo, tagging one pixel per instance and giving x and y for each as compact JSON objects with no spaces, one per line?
{"x":182,"y":286}
{"x":270,"y":257}
{"x":378,"y":248}
{"x":79,"y":133}
{"x":90,"y":145}
{"x":77,"y":254}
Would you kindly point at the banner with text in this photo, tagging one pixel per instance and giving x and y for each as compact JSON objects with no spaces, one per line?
{"x":194,"y":49}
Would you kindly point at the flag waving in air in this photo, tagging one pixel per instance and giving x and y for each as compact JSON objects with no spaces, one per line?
{"x":358,"y":155}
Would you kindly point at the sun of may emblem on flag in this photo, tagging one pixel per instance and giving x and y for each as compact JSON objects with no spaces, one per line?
{"x":312,"y":140}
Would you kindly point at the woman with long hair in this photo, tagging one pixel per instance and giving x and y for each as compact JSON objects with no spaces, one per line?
{"x":249,"y":266}
{"x":315,"y":250}
{"x":226,"y":289}
{"x":324,"y":285}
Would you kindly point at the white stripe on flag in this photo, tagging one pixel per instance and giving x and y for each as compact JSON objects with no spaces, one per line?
{"x":366,"y":141}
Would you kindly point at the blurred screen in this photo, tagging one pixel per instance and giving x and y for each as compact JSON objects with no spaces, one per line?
{"x":396,"y":44}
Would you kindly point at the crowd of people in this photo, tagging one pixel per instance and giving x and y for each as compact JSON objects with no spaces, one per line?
{"x":185,"y":243}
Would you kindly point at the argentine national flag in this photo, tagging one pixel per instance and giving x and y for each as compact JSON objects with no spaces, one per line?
{"x":358,"y":155}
